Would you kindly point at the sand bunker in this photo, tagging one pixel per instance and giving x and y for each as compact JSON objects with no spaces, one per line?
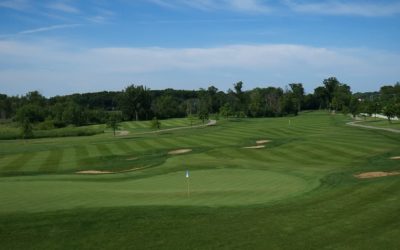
{"x":132,"y":159}
{"x":262,"y":141}
{"x":107,"y":172}
{"x":395,"y":158}
{"x":94,"y":172}
{"x":179,"y":151}
{"x":368,"y":175}
{"x":256,"y":147}
{"x":123,"y":133}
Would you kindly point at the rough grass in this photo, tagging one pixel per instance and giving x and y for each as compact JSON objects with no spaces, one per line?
{"x":297,"y":193}
{"x":12,"y":133}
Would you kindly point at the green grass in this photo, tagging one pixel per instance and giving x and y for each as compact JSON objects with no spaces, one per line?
{"x":377,"y":122}
{"x":296,"y":193}
{"x":145,"y":126}
{"x":13,"y":132}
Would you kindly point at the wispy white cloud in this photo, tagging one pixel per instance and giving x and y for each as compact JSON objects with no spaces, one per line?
{"x":53,"y":66}
{"x":210,"y":5}
{"x":41,"y":29}
{"x":63,"y":6}
{"x":19,"y":5}
{"x":102,"y":16}
{"x":250,"y":5}
{"x":366,"y":9}
{"x":48,"y":28}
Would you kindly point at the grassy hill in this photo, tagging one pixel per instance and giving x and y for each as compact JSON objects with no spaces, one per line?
{"x":297,"y":192}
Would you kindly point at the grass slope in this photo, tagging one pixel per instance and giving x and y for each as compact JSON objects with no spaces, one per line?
{"x":298,"y":192}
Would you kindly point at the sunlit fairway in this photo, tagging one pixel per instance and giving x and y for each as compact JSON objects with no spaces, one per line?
{"x":299,"y":191}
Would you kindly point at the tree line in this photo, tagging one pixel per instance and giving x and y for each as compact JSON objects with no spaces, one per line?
{"x":137,"y":102}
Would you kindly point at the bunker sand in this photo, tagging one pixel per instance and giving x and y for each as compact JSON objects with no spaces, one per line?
{"x":107,"y":172}
{"x":132,"y":159}
{"x":377,"y":174}
{"x":395,"y":158}
{"x":179,"y":151}
{"x":262,"y":141}
{"x":255,"y":147}
{"x":123,"y":133}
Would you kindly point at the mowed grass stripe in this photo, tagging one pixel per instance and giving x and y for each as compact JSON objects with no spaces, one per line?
{"x":222,"y":140}
{"x":69,"y":159}
{"x":7,"y":160}
{"x":141,"y":145}
{"x":123,"y":147}
{"x":18,"y":163}
{"x":159,"y":143}
{"x":81,"y":152}
{"x":52,"y":162}
{"x":103,"y":149}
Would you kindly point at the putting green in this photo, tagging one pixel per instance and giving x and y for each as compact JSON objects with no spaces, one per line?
{"x":220,"y":187}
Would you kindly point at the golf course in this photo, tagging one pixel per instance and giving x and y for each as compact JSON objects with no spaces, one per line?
{"x":300,"y":182}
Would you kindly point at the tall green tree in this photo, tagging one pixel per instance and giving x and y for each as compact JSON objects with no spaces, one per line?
{"x":113,"y":121}
{"x":390,"y":111}
{"x":321,"y":94}
{"x":256,"y":103}
{"x":155,"y":123}
{"x":136,"y":102}
{"x":26,"y":129}
{"x":331,"y":85}
{"x":354,"y":106}
{"x":298,"y":94}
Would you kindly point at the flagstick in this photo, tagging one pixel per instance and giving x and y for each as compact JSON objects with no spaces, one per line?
{"x":188,"y":188}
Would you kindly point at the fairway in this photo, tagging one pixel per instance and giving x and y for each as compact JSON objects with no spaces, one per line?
{"x":300,"y":185}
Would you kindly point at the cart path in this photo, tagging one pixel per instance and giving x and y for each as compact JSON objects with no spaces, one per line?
{"x":355,"y":124}
{"x":210,"y":123}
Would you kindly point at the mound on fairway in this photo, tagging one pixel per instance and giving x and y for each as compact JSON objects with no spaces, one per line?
{"x":377,"y":174}
{"x":219,"y":187}
{"x":179,"y":151}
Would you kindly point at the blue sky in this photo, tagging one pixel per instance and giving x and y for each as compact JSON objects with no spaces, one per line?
{"x":68,"y":46}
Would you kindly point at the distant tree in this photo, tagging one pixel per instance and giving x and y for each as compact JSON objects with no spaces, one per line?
{"x":226,"y":110}
{"x":192,"y":106}
{"x":397,"y":110}
{"x":214,"y":102}
{"x":113,"y":121}
{"x":298,"y":94}
{"x":288,"y":104}
{"x":256,"y":103}
{"x":31,"y":112}
{"x":354,"y":107}
{"x":155,"y":123}
{"x":237,"y":99}
{"x":190,"y":117}
{"x":342,"y":97}
{"x":331,"y":85}
{"x":273,"y":101}
{"x":35,"y":98}
{"x":73,"y":114}
{"x":203,"y":114}
{"x":167,"y":106}
{"x":368,"y":107}
{"x":26,"y":129}
{"x":321,"y":95}
{"x":136,"y":100}
{"x":390,"y":111}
